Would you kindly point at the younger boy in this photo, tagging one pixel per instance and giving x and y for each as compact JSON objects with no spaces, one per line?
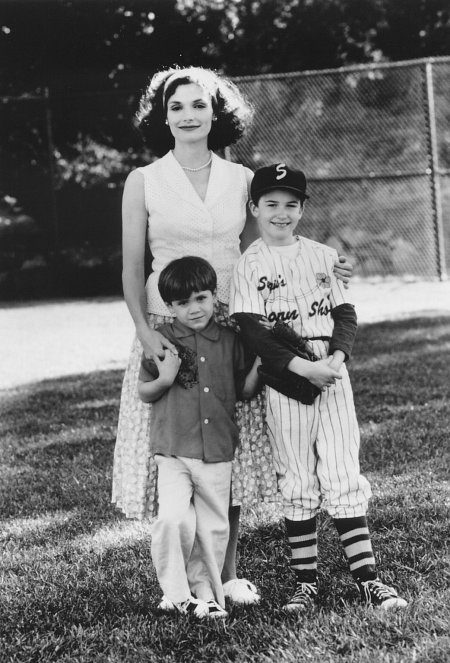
{"x":288,"y":278}
{"x":193,"y":391}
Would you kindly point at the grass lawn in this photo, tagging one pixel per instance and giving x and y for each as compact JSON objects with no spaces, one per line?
{"x":77,"y":582}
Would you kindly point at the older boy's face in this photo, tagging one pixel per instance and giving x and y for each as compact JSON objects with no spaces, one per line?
{"x":278,"y":213}
{"x":196,"y":311}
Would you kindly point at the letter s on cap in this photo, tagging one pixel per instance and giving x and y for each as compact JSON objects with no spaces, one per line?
{"x":281,"y":169}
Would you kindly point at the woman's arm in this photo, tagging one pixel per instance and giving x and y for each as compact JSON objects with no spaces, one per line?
{"x":134,"y":230}
{"x":252,"y":383}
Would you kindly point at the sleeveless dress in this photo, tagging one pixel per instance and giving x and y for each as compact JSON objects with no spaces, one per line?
{"x":179,"y":224}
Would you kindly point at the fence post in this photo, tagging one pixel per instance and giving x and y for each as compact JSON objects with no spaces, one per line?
{"x":51,"y":170}
{"x":433,"y":170}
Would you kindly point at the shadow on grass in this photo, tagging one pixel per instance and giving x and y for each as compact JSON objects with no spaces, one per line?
{"x":58,"y":435}
{"x":57,"y":449}
{"x":78,"y":580}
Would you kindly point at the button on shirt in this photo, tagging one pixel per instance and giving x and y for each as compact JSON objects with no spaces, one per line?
{"x":198,"y":422}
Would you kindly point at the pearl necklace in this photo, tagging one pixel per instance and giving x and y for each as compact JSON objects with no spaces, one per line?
{"x":195,"y":170}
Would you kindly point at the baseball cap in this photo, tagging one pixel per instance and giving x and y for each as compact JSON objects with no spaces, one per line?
{"x":278,"y":176}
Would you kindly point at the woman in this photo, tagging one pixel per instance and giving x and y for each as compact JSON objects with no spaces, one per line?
{"x":193,"y":203}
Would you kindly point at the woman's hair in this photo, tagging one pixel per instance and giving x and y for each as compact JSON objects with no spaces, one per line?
{"x":232,"y":111}
{"x":180,"y":278}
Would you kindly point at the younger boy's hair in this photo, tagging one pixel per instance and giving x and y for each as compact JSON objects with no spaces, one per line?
{"x":180,"y":278}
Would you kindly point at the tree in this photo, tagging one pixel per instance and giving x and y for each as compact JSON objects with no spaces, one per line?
{"x":108,"y":44}
{"x":413,"y":29}
{"x":90,"y":44}
{"x":248,"y":37}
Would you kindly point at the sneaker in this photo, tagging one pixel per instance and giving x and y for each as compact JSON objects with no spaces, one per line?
{"x":194,"y":607}
{"x":215,"y":611}
{"x":303,"y":598}
{"x":376,"y":594}
{"x":166,"y":604}
{"x":240,"y":590}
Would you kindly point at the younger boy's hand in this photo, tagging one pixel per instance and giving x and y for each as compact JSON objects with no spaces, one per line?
{"x":168,"y":367}
{"x":322,"y":374}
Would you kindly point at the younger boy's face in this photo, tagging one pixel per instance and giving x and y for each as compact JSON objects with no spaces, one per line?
{"x":278,"y":213}
{"x":196,"y":311}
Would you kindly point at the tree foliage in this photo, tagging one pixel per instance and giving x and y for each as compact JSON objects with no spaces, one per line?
{"x":87,"y":44}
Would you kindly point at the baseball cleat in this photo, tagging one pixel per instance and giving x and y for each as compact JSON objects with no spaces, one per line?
{"x":303,"y":598}
{"x":376,"y":594}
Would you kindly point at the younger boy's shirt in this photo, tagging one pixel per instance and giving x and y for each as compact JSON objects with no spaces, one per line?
{"x":198,"y":421}
{"x":295,"y":284}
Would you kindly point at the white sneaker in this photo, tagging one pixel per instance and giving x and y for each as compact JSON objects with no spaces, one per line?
{"x":215,"y":610}
{"x":166,"y":604}
{"x":191,"y":606}
{"x":241,"y":591}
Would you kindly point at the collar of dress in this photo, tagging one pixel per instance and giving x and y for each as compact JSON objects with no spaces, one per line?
{"x":178,"y":181}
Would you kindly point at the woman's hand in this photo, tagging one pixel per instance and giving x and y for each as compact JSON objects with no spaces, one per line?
{"x":155,"y":344}
{"x":343,"y":270}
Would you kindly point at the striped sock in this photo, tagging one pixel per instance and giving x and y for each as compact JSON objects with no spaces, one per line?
{"x":302,"y":537}
{"x":355,"y":537}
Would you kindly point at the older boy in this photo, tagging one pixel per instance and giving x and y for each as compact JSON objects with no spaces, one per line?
{"x":194,"y":392}
{"x":288,"y":278}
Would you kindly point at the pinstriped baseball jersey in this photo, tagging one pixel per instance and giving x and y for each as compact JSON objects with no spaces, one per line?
{"x":295,"y":284}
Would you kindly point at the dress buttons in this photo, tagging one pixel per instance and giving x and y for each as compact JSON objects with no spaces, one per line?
{"x":206,"y":421}
{"x":206,"y":389}
{"x":202,"y":359}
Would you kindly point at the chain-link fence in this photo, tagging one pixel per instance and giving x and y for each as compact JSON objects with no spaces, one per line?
{"x":375,"y":145}
{"x":374,"y":142}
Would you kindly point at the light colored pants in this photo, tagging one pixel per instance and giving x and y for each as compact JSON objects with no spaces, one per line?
{"x":190,"y":535}
{"x":316,"y":453}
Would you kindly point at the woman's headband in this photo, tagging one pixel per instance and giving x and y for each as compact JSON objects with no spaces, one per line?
{"x":205,"y":79}
{"x":177,"y":74}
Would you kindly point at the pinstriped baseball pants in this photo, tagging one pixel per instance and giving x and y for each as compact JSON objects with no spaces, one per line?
{"x":316,"y":453}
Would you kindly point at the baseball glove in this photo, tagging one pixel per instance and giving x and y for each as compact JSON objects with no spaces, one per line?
{"x":287,"y":382}
{"x":187,"y":375}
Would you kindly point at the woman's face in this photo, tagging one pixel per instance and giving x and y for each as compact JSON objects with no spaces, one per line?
{"x":190,"y":113}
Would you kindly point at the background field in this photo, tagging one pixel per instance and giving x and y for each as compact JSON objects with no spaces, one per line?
{"x":77,"y":582}
{"x":41,"y":340}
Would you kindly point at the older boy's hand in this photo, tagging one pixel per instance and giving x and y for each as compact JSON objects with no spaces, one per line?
{"x":321,"y":374}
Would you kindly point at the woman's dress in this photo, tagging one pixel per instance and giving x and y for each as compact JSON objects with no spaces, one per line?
{"x":181,"y":224}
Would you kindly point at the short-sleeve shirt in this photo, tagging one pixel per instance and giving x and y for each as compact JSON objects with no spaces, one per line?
{"x":198,"y":422}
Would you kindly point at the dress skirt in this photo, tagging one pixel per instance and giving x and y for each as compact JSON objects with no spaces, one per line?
{"x":134,"y":472}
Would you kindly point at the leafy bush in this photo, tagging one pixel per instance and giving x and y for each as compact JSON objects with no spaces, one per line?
{"x":89,"y":163}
